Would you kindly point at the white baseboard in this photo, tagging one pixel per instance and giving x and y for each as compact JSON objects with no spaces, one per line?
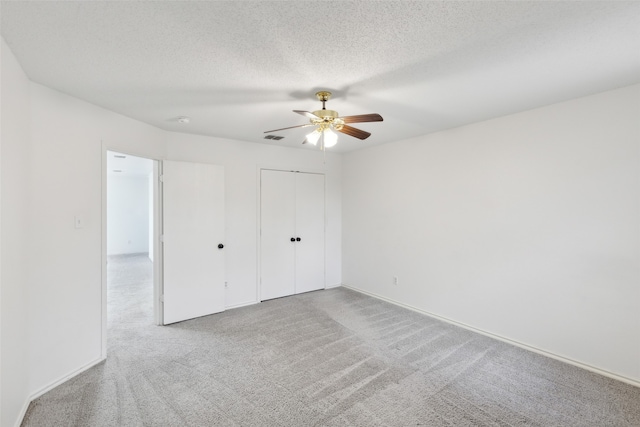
{"x":53,"y":385}
{"x":65,"y":378}
{"x":78,"y":371}
{"x":22,"y":413}
{"x":504,"y":339}
{"x":244,"y":304}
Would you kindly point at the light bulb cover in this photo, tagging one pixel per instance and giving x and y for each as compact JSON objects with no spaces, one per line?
{"x":330,"y":138}
{"x":313,"y":137}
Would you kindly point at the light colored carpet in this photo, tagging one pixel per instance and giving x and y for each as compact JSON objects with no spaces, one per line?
{"x":326,"y":358}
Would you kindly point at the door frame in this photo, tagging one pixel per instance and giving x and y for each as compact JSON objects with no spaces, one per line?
{"x":157,"y":245}
{"x":259,"y":169}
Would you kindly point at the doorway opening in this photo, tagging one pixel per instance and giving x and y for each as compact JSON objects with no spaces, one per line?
{"x":130,"y":246}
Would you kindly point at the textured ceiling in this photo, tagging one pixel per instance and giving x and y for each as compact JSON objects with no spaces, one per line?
{"x":238,"y":68}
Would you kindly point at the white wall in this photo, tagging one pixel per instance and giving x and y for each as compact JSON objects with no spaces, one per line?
{"x":242,"y":161}
{"x":65,"y":263}
{"x":15,"y":172}
{"x":51,"y":291}
{"x":128,"y":214}
{"x":525,"y":226}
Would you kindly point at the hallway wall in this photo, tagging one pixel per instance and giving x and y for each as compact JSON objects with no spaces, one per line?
{"x":128,"y":214}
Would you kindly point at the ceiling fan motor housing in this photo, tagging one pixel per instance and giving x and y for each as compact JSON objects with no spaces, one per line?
{"x":327,"y":118}
{"x":326,"y":115}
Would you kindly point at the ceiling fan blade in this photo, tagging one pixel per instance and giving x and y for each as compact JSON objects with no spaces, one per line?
{"x":307,"y":114}
{"x":362,"y":118}
{"x":357,"y":133}
{"x":290,"y":127}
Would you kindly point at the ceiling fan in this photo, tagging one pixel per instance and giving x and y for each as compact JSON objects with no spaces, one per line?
{"x":328,"y":121}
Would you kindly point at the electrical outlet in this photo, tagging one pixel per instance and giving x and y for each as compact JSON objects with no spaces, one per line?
{"x":395,"y":280}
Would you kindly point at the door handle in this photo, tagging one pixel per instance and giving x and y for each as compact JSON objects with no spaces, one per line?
{"x":298,"y":239}
{"x":220,"y":246}
{"x":293,"y":239}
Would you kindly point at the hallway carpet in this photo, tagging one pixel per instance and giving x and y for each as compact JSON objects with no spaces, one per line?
{"x":326,"y":358}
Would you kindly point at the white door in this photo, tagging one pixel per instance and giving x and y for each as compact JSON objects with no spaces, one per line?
{"x":193,"y":227}
{"x":277,"y":229}
{"x":310,"y":232}
{"x":291,"y":233}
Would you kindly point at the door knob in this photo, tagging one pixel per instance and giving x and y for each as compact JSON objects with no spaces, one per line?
{"x":298,"y":239}
{"x":220,"y":246}
{"x":293,"y":239}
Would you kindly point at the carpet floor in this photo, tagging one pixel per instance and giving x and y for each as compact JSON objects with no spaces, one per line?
{"x":325,"y":358}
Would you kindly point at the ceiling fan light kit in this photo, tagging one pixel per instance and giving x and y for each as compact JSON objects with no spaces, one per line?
{"x":327,"y":121}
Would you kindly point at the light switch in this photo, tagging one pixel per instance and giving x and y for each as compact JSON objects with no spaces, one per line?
{"x":78,"y":221}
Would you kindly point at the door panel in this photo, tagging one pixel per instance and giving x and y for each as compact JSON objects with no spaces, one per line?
{"x":309,"y":259}
{"x":193,"y":226}
{"x":277,"y":227}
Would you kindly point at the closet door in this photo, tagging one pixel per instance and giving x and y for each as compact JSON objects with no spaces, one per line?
{"x":277,"y":228}
{"x":309,"y":257}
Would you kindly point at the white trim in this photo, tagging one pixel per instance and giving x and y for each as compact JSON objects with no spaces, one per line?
{"x":103,"y":253}
{"x":259,"y":233}
{"x":22,"y":413}
{"x":244,"y":304}
{"x":337,"y":285}
{"x":65,"y":378}
{"x":158,"y":245}
{"x":53,"y":385}
{"x":504,"y":339}
{"x":131,"y":254}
